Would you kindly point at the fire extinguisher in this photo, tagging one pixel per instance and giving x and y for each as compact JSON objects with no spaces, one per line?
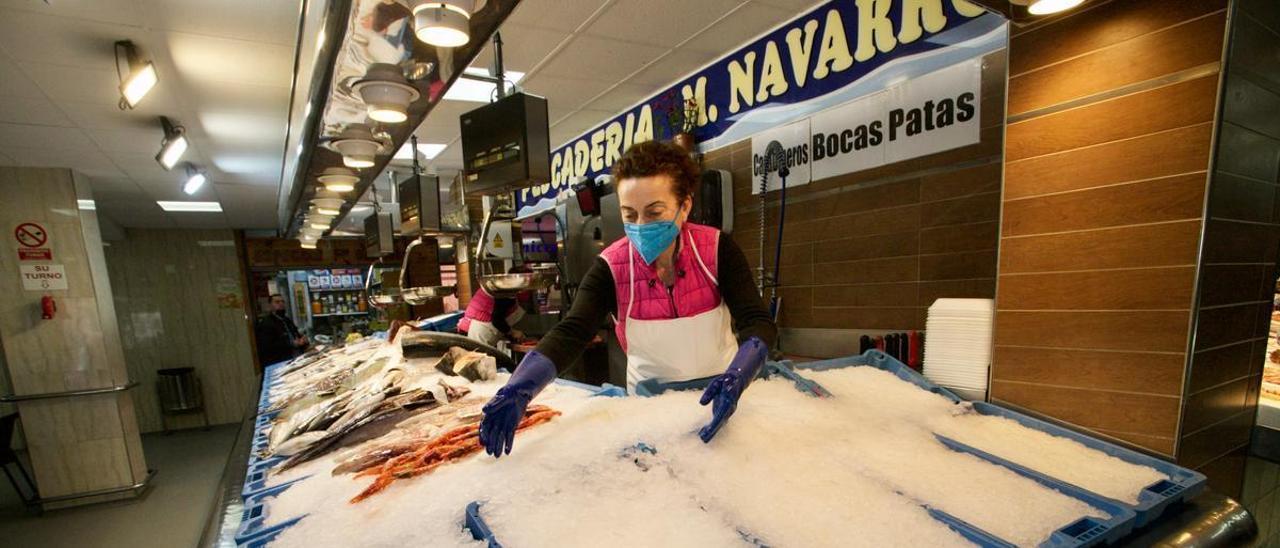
{"x":47,"y":307}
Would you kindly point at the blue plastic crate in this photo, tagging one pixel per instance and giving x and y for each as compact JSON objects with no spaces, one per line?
{"x":653,"y":387}
{"x":253,"y":519}
{"x":1182,"y":483}
{"x":475,"y":524}
{"x":606,"y":390}
{"x":447,"y":322}
{"x":1153,"y":501}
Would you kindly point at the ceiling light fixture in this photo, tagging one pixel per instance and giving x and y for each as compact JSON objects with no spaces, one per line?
{"x":307,"y":244}
{"x":319,"y":225}
{"x":444,"y":23}
{"x":86,"y":205}
{"x":203,"y":207}
{"x":174,"y":144}
{"x":328,"y":206}
{"x":195,"y":180}
{"x":138,"y":77}
{"x":338,"y":179}
{"x":357,"y":146}
{"x":386,"y":92}
{"x":1045,"y":7}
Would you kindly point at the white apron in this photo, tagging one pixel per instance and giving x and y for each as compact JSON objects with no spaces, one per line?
{"x":484,"y":332}
{"x":678,"y":349}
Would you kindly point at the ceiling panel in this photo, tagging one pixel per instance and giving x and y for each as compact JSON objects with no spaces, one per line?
{"x":562,"y":15}
{"x":109,"y":116}
{"x":602,"y":58}
{"x":136,"y":140}
{"x":13,"y":82}
{"x":112,"y":187}
{"x":241,"y":19}
{"x":207,"y":59}
{"x":62,"y":83}
{"x":17,"y":135}
{"x":663,"y":23}
{"x":740,"y":27}
{"x":523,"y":47}
{"x":248,"y":206}
{"x":31,"y":110}
{"x":37,"y":38}
{"x":245,"y":115}
{"x":576,"y":123}
{"x":565,"y":95}
{"x":622,"y":96}
{"x":676,"y":65}
{"x":104,"y":11}
{"x":140,"y":213}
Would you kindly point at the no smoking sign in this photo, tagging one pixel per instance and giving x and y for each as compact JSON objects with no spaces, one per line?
{"x":31,"y":241}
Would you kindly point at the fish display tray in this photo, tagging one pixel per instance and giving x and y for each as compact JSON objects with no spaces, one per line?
{"x":253,"y":519}
{"x":1181,"y":483}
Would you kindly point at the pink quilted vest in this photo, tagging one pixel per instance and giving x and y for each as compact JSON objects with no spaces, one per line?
{"x":695,"y":290}
{"x":480,"y":308}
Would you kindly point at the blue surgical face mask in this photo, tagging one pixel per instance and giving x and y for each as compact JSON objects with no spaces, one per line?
{"x":651,"y":239}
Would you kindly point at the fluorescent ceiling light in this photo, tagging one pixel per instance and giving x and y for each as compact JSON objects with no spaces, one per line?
{"x":464,"y":89}
{"x":190,"y":206}
{"x":1045,"y":7}
{"x":427,"y":150}
{"x":307,"y":244}
{"x":86,"y":205}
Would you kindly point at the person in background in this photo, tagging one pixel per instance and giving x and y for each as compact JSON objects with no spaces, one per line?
{"x":682,"y":295}
{"x":278,"y":338}
{"x":489,"y":319}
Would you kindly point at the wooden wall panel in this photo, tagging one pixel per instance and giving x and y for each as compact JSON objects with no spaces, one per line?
{"x":872,"y":250}
{"x":1106,"y":162}
{"x":1159,"y":154}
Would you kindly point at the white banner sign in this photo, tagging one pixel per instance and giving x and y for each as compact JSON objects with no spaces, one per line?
{"x":918,"y":117}
{"x":43,"y":277}
{"x":793,"y":143}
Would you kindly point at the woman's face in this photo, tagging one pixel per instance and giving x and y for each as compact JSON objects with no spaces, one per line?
{"x":648,"y":199}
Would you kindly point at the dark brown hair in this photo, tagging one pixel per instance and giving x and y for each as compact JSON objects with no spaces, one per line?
{"x":651,"y":158}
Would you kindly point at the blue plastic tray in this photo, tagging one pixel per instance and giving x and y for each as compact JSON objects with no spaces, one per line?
{"x":479,"y":530}
{"x":1181,"y":484}
{"x":447,"y":322}
{"x":653,"y":387}
{"x":253,"y":519}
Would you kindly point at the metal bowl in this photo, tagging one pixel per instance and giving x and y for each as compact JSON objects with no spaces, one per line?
{"x":424,"y":294}
{"x":508,"y":284}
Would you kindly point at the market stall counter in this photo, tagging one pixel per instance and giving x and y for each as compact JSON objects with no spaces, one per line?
{"x":916,"y":464}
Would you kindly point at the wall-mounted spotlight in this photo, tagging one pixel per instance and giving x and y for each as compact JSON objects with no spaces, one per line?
{"x":306,"y":244}
{"x":444,"y":23}
{"x":386,"y":92}
{"x":357,"y":146}
{"x":136,"y":76}
{"x":174,"y":144}
{"x":338,"y":179}
{"x":195,"y":180}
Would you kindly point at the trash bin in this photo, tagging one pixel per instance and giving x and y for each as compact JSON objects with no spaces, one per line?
{"x":179,"y":390}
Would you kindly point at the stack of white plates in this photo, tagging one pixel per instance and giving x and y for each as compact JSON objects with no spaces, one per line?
{"x":957,"y":345}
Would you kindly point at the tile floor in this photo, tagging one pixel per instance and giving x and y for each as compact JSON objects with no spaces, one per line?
{"x":1262,"y":497}
{"x":189,"y":464}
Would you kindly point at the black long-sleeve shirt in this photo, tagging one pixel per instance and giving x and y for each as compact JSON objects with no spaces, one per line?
{"x":595,"y":300}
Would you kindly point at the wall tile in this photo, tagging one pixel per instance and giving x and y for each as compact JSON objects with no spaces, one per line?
{"x":1116,"y":411}
{"x":1137,"y":289}
{"x":1125,"y":371}
{"x":1170,"y":244}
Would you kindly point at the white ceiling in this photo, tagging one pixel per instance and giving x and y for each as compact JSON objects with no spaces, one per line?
{"x":593,"y":58}
{"x":225,"y":71}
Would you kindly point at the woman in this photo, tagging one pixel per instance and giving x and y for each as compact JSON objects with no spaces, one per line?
{"x":678,"y":291}
{"x":490,"y":320}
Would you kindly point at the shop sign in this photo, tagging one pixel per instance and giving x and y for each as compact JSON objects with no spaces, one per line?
{"x":793,"y":149}
{"x":922,"y":116}
{"x":837,"y":52}
{"x":43,"y":277}
{"x":33,"y":240}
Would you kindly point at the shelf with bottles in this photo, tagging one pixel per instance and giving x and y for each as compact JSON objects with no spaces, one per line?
{"x":335,"y":303}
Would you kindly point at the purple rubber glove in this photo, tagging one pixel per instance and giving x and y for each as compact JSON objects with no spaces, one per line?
{"x":724,"y":391}
{"x":503,"y":413}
